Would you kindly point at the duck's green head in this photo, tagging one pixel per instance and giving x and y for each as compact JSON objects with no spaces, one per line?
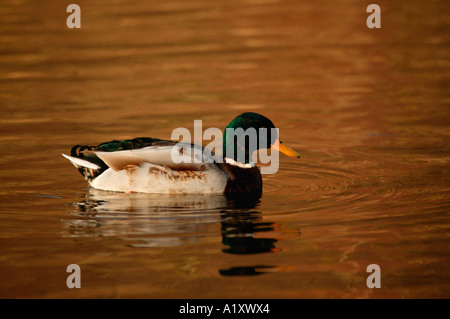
{"x":249,"y":132}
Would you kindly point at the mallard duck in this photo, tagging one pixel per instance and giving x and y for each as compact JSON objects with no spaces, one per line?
{"x":147,"y":164}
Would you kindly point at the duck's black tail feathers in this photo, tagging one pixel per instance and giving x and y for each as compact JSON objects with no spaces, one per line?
{"x":87,"y":163}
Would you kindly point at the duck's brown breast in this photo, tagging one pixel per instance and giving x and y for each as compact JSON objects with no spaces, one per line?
{"x":242,"y":180}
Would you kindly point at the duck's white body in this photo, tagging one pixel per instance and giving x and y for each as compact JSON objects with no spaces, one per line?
{"x":170,"y":169}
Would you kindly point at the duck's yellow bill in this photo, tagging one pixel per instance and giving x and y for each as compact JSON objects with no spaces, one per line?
{"x":286,"y":150}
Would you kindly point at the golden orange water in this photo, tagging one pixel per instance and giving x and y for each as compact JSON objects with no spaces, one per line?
{"x":367,"y":109}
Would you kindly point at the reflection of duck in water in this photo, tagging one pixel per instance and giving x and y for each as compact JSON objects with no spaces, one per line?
{"x":140,"y":204}
{"x":238,"y":229}
{"x":158,"y":219}
{"x":162,"y":220}
{"x":147,"y":164}
{"x":104,"y":213}
{"x":238,"y":233}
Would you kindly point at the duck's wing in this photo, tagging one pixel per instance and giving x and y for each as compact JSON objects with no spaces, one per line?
{"x":120,"y":154}
{"x":177,"y":156}
{"x":87,"y":153}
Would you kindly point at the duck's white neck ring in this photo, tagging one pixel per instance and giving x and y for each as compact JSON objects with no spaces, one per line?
{"x":241,"y":165}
